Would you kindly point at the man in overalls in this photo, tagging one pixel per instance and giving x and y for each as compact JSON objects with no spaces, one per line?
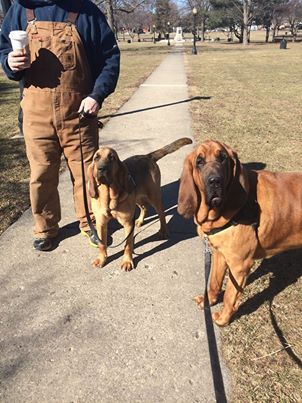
{"x":73,"y":66}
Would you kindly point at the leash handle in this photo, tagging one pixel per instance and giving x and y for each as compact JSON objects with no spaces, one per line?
{"x":85,"y":115}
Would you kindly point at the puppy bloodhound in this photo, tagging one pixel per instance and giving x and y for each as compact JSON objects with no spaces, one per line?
{"x":116,"y":187}
{"x":246,"y":215}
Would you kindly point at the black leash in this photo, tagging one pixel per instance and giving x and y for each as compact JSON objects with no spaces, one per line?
{"x":82,"y":115}
{"x":91,"y":226}
{"x":213,"y":350}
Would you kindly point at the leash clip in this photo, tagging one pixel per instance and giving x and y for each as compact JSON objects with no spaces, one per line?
{"x":207,"y":247}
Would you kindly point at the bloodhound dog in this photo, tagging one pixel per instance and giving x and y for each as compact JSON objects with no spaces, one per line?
{"x":245,"y":214}
{"x":116,"y":187}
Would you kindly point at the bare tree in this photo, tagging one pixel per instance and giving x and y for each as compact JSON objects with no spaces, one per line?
{"x":294,"y":16}
{"x":113,"y":8}
{"x":247,"y":20}
{"x":269,"y":14}
{"x":203,"y":10}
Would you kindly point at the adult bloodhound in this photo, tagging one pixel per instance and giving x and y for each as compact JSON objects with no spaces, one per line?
{"x":116,"y":187}
{"x":246,"y":215}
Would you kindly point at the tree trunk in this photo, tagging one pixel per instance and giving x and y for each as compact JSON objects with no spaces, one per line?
{"x":202,"y":26}
{"x":109,"y":14}
{"x":5,"y":5}
{"x":274,"y":32}
{"x":246,"y":14}
{"x":267,"y":29}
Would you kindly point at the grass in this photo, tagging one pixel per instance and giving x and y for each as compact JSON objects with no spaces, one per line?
{"x":137,"y":62}
{"x":255,"y":107}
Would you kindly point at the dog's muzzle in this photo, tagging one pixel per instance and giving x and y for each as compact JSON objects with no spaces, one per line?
{"x":214,"y":191}
{"x":102,"y":174}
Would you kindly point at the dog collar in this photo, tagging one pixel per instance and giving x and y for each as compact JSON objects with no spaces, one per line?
{"x":249,"y":214}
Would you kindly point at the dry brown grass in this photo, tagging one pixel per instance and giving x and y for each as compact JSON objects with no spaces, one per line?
{"x":137,"y":63}
{"x":255,"y":106}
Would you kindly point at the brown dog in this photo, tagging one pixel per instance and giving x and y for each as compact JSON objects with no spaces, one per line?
{"x":116,"y":187}
{"x":246,"y":215}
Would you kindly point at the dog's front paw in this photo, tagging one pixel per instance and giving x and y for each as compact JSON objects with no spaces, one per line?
{"x":99,"y":262}
{"x":127,"y":265}
{"x":220,"y":319}
{"x":199,"y":299}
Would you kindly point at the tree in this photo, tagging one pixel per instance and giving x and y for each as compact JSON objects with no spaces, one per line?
{"x":203,"y":11}
{"x":247,"y":12}
{"x":162,"y":15}
{"x":294,"y":16}
{"x":112,"y":8}
{"x":239,"y":13}
{"x":134,"y":23}
{"x":269,"y":14}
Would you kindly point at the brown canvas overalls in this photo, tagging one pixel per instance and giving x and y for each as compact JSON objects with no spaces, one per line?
{"x":57,"y":81}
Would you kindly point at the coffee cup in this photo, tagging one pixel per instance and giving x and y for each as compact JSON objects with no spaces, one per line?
{"x":19,"y":41}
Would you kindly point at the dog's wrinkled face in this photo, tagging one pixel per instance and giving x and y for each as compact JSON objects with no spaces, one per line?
{"x":213,"y":164}
{"x":213,"y":183}
{"x":105,"y":165}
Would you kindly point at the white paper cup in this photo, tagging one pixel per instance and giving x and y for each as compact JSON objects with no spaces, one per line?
{"x":19,"y":39}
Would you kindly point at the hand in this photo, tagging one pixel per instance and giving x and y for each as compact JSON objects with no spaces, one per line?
{"x":89,"y":106}
{"x":17,"y":60}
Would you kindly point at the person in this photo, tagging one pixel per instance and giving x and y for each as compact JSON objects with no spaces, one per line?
{"x":73,"y":67}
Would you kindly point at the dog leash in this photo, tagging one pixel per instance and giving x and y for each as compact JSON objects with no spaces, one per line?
{"x":212,"y":344}
{"x":83,"y":115}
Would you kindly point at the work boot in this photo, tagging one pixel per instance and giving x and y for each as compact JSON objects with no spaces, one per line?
{"x":42,"y":244}
{"x":92,"y":239}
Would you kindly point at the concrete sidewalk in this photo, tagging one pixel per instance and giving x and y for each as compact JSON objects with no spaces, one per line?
{"x":70,"y":333}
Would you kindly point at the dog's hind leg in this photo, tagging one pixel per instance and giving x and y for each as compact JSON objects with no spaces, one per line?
{"x":156,"y":202}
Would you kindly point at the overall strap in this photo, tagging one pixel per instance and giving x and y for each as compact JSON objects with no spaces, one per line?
{"x":73,"y":15}
{"x":30,"y":15}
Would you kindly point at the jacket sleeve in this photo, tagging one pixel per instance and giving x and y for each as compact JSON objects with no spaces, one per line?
{"x":12,"y":21}
{"x":106,"y":59}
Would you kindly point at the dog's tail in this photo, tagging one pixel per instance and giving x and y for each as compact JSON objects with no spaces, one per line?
{"x":170,"y":148}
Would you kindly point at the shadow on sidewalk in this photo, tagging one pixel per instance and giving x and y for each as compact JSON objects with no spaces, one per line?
{"x":179,"y":228}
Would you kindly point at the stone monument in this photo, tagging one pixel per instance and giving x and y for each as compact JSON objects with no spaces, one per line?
{"x":178,"y":35}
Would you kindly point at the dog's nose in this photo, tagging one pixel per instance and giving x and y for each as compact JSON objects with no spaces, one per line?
{"x":102,"y":169}
{"x":214,"y":181}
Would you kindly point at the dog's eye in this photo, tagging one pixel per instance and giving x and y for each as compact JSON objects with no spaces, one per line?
{"x":110,"y":157}
{"x":200,"y":161}
{"x":222,"y":156}
{"x":97,"y":157}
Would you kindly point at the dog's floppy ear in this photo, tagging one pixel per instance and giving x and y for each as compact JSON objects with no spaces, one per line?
{"x":187,"y":196}
{"x":239,"y":186}
{"x":92,"y":185}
